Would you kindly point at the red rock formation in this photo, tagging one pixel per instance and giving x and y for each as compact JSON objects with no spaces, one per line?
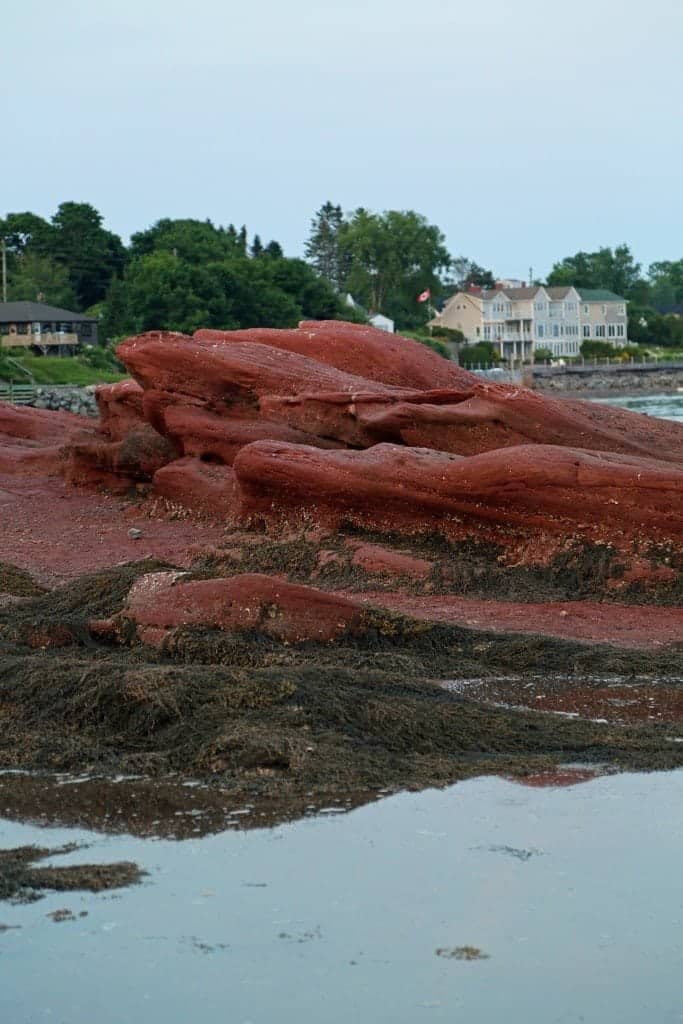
{"x":224,"y":374}
{"x":357,"y":349}
{"x":164,"y":601}
{"x":118,"y":465}
{"x":204,"y":487}
{"x":42,"y":425}
{"x":120,"y":407}
{"x":381,"y":561}
{"x":527,"y":488}
{"x":204,"y":434}
{"x":33,"y":440}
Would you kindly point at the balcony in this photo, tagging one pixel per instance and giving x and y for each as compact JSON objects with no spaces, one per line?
{"x":46,"y":339}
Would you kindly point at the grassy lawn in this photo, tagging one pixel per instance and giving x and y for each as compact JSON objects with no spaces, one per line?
{"x":47,"y":370}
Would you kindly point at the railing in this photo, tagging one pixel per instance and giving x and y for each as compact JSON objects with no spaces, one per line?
{"x":18,"y":394}
{"x":606,"y":363}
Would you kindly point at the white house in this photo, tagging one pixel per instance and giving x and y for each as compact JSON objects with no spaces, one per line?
{"x":520,"y":320}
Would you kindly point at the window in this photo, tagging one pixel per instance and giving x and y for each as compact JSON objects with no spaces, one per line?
{"x":604,"y":310}
{"x":85,"y":330}
{"x":599,"y":330}
{"x":622,"y":310}
{"x":586,"y":330}
{"x":585,"y":309}
{"x":487,"y":333}
{"x":620,"y":330}
{"x":556,"y":330}
{"x":611,"y":330}
{"x":539,"y":330}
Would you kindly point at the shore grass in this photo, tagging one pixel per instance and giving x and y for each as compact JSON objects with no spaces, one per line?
{"x":76,"y":370}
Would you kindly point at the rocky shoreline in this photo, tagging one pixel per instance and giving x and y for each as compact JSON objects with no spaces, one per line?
{"x":317,"y":565}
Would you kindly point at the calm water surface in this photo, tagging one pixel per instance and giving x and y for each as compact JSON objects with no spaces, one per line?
{"x":574,"y":894}
{"x":668,"y":407}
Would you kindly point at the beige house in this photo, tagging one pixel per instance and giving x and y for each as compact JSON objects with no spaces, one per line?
{"x":603,"y":316}
{"x":519,"y":320}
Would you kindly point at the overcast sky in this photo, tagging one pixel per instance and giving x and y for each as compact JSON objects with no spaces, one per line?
{"x":525,"y":129}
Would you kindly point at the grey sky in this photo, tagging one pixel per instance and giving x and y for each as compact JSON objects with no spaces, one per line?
{"x":525,"y":129}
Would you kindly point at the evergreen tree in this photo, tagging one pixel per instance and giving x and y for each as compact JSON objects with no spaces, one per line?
{"x":256,"y":247}
{"x":322,"y":249}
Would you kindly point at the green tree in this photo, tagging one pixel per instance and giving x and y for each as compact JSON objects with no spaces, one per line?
{"x":196,"y":241}
{"x":314,"y":296}
{"x":22,"y":231}
{"x":91,"y":254}
{"x":466,"y":272}
{"x":162,"y":292}
{"x":393,"y":257}
{"x":613,"y":269}
{"x":322,"y":249}
{"x":256,"y":247}
{"x":666,"y":283}
{"x":274,"y":250}
{"x":40,"y":279}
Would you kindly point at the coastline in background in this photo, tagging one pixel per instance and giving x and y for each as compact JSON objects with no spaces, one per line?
{"x":667,"y":407}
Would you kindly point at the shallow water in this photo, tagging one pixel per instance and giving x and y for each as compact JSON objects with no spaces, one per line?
{"x":667,"y":407}
{"x":573,"y":894}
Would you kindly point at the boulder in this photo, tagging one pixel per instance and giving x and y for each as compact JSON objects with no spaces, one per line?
{"x":120,"y":407}
{"x":161,"y":602}
{"x":203,"y":486}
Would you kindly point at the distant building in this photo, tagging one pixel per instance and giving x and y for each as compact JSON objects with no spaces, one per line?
{"x":520,"y":320}
{"x":382,"y":323}
{"x":44,"y":328}
{"x":378,"y":320}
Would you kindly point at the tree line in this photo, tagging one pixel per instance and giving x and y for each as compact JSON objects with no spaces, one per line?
{"x":181,"y":274}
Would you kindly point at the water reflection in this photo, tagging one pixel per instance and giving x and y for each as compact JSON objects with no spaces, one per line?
{"x":485,"y":902}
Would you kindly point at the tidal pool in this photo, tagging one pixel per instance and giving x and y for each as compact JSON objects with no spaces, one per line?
{"x":488,"y":901}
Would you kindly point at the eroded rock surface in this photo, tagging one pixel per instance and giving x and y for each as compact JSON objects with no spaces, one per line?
{"x":298,"y":573}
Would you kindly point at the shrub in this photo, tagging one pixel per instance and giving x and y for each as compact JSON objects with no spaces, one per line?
{"x":483,"y":352}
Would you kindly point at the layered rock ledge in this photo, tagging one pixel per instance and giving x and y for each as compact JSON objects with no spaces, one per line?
{"x":298,"y":537}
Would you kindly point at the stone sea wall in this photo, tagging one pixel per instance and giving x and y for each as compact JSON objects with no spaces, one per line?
{"x":80,"y":401}
{"x":608,"y":379}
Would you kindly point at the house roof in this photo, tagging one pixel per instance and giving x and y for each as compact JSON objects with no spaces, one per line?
{"x":559,"y":292}
{"x":25,"y":312}
{"x":599,"y":295}
{"x":511,"y":293}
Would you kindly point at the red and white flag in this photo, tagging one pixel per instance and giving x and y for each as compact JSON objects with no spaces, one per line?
{"x":426,"y":294}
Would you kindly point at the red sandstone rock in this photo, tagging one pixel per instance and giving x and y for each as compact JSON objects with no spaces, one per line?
{"x":529,"y":488}
{"x":628,"y":626}
{"x":32,"y":441}
{"x":483,"y":418}
{"x":224,"y":373}
{"x":265,"y":375}
{"x":120,"y":407}
{"x":385,"y":562}
{"x":357,"y":349}
{"x":163,"y":601}
{"x":119,"y":465}
{"x":198,"y":485}
{"x":202,"y":433}
{"x":42,"y":425}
